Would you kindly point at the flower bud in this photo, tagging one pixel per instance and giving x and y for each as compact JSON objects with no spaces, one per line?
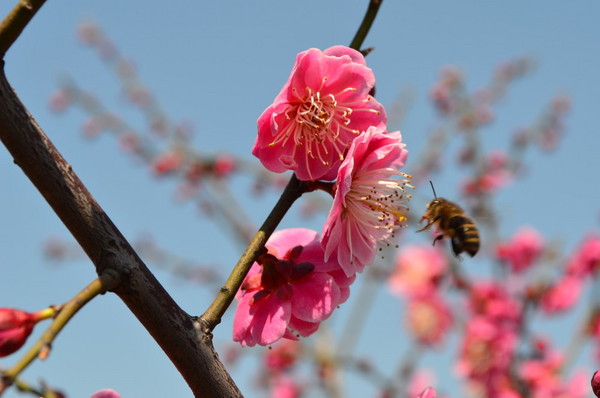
{"x":15,"y":328}
{"x":596,"y":383}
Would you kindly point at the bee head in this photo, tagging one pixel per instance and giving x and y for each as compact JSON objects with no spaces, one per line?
{"x":435,"y":202}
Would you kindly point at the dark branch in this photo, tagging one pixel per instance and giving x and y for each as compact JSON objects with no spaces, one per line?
{"x":187,"y":344}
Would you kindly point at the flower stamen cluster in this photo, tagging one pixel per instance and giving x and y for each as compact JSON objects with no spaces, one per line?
{"x":321,"y":109}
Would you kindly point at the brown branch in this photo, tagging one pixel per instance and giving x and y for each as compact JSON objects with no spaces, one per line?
{"x":15,"y":22}
{"x":184,"y":340}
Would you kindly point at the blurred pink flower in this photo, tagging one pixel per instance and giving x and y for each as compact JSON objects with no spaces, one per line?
{"x":89,"y":33}
{"x":427,"y":393}
{"x":420,"y":381}
{"x":522,"y":250}
{"x":586,"y":259}
{"x":166,"y":163}
{"x":487,"y":350}
{"x":492,"y":301}
{"x":542,"y":378}
{"x":224,"y":165}
{"x":322,"y":107}
{"x":369,"y":205}
{"x":289,"y":291}
{"x":488,"y":183}
{"x":417,"y":268}
{"x":92,"y":127}
{"x":285,"y":387}
{"x":541,"y":372}
{"x":106,"y":393}
{"x":429,"y":317}
{"x":562,"y":295}
{"x":282,"y":356}
{"x":59,"y":100}
{"x":494,"y":175}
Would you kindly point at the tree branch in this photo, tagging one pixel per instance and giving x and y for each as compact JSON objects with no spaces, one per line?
{"x":15,"y":22}
{"x":183,"y":340}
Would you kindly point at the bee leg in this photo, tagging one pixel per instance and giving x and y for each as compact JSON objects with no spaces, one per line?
{"x":439,"y":237}
{"x":430,"y":222}
{"x":426,"y":227}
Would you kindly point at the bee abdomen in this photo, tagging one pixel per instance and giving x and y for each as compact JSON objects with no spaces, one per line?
{"x":466,"y":238}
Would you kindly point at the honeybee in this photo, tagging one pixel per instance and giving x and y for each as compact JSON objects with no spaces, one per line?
{"x":453,"y":223}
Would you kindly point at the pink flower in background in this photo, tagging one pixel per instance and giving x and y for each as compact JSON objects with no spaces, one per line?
{"x":492,"y":301}
{"x":562,"y":295}
{"x":420,"y":381}
{"x":417,"y":268}
{"x":429,"y":317}
{"x":285,"y":387}
{"x":289,"y":291}
{"x":487,"y":350}
{"x":427,"y":393}
{"x":166,"y":163}
{"x":542,"y":377}
{"x":369,"y":205}
{"x":522,"y":250}
{"x":323,"y":106}
{"x":282,"y":356}
{"x":541,"y":372}
{"x":106,"y":393}
{"x":586,"y":259}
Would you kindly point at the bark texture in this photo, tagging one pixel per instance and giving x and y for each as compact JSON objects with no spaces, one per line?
{"x":186,"y":341}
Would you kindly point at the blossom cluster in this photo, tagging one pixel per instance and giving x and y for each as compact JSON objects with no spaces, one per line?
{"x":325,"y":126}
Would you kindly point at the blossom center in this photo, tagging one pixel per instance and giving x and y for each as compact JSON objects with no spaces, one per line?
{"x":278,"y":275}
{"x":319,"y":123}
{"x":424,"y":320}
{"x":379,"y":202}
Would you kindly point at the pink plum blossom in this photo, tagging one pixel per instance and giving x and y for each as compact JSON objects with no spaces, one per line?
{"x":542,"y":378}
{"x":324,"y":105}
{"x":369,"y":205}
{"x":429,"y":317}
{"x":289,"y":291}
{"x":491,"y":300}
{"x":522,"y":250}
{"x":285,"y":387}
{"x":562,"y":295}
{"x":421,"y":380}
{"x":282,"y":356}
{"x":486,"y":352}
{"x":418,"y":268}
{"x":586,"y":259}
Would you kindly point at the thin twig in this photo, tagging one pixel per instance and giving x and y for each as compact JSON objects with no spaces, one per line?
{"x":212,"y":316}
{"x":365,"y":25}
{"x":108,"y":280}
{"x":15,"y":22}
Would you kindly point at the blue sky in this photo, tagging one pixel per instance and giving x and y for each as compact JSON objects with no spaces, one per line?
{"x":218,"y":67}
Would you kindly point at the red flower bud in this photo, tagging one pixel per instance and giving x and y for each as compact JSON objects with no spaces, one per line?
{"x":15,"y":328}
{"x":596,"y":383}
